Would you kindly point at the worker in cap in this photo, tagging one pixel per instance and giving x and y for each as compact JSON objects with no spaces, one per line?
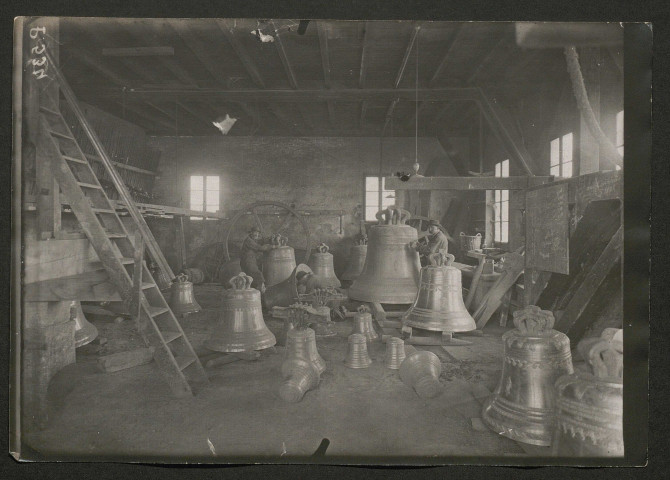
{"x":435,"y":241}
{"x":252,"y":251}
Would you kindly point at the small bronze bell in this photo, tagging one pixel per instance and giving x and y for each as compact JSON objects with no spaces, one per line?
{"x":395,"y":353}
{"x":321,"y":263}
{"x":182,"y":301}
{"x":391,"y":271}
{"x":241,"y":326}
{"x":357,"y":255}
{"x":589,"y":406}
{"x":84,"y":331}
{"x":288,"y":292}
{"x":523,"y":405}
{"x":279,"y":262}
{"x":363,"y":324}
{"x":299,"y":377}
{"x":439,"y":304}
{"x":301,"y":340}
{"x":357,"y":352}
{"x":421,"y":371}
{"x":194,"y":275}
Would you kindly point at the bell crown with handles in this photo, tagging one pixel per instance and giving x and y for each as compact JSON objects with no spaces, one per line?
{"x":299,"y":315}
{"x":441,"y":259}
{"x":322,"y":248}
{"x":604,"y":355}
{"x":363,"y":309}
{"x":181,"y":278}
{"x":393,"y":216}
{"x":533,"y":321}
{"x":279,"y":240}
{"x":241,"y":281}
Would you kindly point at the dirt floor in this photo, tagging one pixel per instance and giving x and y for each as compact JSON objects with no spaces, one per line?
{"x":363,"y":412}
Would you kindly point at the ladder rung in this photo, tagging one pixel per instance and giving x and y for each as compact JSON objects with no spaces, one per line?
{"x":146,"y":285}
{"x":116,"y":235}
{"x":49,"y":111}
{"x":170,"y":336}
{"x":61,"y":135}
{"x":89,"y":185}
{"x":155,"y":311}
{"x":77,"y":160}
{"x":184,"y":361}
{"x":127,"y":260}
{"x":103,"y":210}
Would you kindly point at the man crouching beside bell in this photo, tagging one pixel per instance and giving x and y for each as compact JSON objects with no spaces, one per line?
{"x":252,"y":251}
{"x":435,"y":241}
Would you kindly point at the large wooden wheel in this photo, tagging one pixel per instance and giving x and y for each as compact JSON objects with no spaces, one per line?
{"x":268,"y":229}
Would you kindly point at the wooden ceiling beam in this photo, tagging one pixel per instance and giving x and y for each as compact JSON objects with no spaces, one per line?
{"x":200,"y":49}
{"x":286,"y":95}
{"x":364,"y":56}
{"x":408,"y":51}
{"x":445,"y":59}
{"x":92,"y":61}
{"x":281,"y":51}
{"x":149,"y":116}
{"x":323,"y":48}
{"x":168,"y":63}
{"x":241,"y":52}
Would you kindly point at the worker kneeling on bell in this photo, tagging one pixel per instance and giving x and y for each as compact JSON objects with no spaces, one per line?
{"x":252,"y":250}
{"x":436,"y":241}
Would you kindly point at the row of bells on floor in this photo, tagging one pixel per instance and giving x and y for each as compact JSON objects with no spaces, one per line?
{"x":541,"y":400}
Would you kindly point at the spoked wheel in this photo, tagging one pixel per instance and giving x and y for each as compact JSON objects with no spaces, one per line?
{"x":278,"y":216}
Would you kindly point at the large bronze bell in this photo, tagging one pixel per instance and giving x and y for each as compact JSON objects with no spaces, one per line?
{"x":535,"y":356}
{"x":182,"y":301}
{"x":391,"y":271}
{"x":84,"y":331}
{"x":357,"y":255}
{"x":241,"y":326}
{"x":589,"y":405}
{"x":287,"y":292}
{"x":321,"y":263}
{"x":279,"y":262}
{"x":439,"y":304}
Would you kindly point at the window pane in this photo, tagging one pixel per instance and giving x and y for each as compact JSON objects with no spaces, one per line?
{"x":212,"y":198}
{"x":197,"y":199}
{"x":504,"y":195}
{"x":371,"y":199}
{"x":504,"y":211}
{"x":371,"y":184}
{"x":496,"y":216}
{"x":498,"y":169}
{"x":497,"y":195}
{"x":555,"y":170}
{"x":619,"y":129}
{"x":196,"y":182}
{"x":213,"y":183}
{"x":212,"y":208}
{"x":567,"y":148}
{"x":505,"y":168}
{"x":496,"y":232}
{"x":504,"y":228}
{"x":567,"y":169}
{"x":370,"y":213}
{"x":554,"y":157}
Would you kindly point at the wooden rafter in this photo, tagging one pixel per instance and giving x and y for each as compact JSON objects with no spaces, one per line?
{"x":200,"y":49}
{"x":241,"y":52}
{"x":92,"y":61}
{"x":389,"y":114}
{"x":291,"y":96}
{"x":286,"y":120}
{"x":281,"y":51}
{"x":501,"y":46}
{"x":364,"y":109}
{"x":169,"y":63}
{"x":148,"y":116}
{"x":408,"y":51}
{"x":466,"y":183}
{"x":364,"y":56}
{"x":194,"y":112}
{"x":325,"y":64}
{"x":445,"y":59}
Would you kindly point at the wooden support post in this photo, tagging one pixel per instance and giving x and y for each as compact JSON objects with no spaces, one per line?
{"x":138,"y":257}
{"x":589,"y":150}
{"x":181,"y":241}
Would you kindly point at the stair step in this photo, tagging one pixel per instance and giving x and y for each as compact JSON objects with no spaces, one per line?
{"x":184,"y":361}
{"x":103,"y":210}
{"x":146,"y":285}
{"x":49,"y":111}
{"x":170,"y":336}
{"x":61,"y":135}
{"x":116,"y":235}
{"x":155,"y":311}
{"x":77,"y":160}
{"x":89,"y":185}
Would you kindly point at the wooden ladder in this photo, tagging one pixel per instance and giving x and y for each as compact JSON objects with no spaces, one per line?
{"x":158,"y":325}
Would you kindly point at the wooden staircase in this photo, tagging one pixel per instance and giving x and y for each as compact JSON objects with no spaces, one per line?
{"x":108,"y":235}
